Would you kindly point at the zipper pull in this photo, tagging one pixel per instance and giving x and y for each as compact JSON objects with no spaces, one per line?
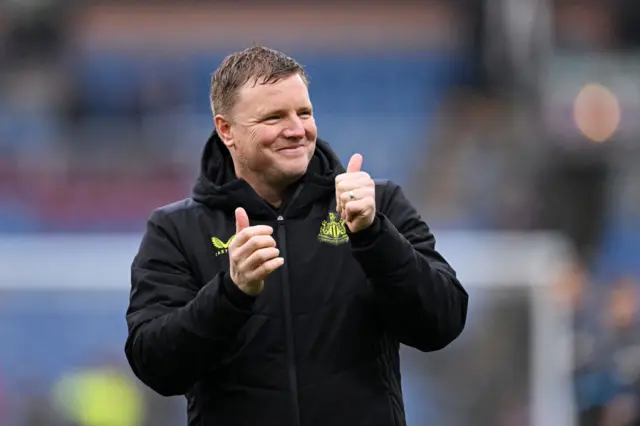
{"x":280,"y":219}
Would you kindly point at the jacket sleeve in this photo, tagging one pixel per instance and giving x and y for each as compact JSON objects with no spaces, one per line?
{"x":178,"y":328}
{"x":422,"y":303}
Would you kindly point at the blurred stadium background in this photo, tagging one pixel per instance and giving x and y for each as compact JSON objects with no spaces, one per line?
{"x":513,"y":126}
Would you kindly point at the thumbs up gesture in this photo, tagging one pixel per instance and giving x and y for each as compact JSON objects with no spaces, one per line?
{"x":356,"y":196}
{"x":252,"y":255}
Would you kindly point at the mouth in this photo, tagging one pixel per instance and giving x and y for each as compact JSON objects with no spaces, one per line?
{"x":293,"y":149}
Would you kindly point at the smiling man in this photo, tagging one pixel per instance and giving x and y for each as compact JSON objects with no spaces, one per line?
{"x":278,"y":294}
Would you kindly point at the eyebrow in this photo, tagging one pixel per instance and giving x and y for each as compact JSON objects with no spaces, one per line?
{"x":268,"y":112}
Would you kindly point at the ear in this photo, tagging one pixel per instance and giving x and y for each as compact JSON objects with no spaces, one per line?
{"x":223,"y":127}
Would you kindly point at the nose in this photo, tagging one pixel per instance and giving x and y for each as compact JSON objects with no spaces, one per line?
{"x":295,"y":129}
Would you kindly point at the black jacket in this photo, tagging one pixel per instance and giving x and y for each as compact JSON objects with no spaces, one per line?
{"x":320,"y":345}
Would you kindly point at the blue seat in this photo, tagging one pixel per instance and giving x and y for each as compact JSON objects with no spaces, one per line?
{"x":107,"y":80}
{"x":379,"y":104}
{"x":618,"y":255}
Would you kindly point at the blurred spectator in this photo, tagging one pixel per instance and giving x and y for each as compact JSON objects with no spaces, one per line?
{"x":576,"y":294}
{"x":628,"y":16}
{"x":489,"y":387}
{"x":99,"y":396}
{"x":478,"y":175}
{"x":622,"y":343}
{"x":36,"y":30}
{"x":573,"y":190}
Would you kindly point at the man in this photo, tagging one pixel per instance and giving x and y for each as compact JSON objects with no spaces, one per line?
{"x":279,"y":293}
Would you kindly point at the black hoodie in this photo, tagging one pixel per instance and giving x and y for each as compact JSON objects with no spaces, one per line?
{"x":319,"y":346}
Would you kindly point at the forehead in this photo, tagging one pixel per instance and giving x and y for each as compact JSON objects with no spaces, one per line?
{"x":289,"y":92}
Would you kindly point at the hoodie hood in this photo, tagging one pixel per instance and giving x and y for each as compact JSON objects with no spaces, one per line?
{"x":218,"y":186}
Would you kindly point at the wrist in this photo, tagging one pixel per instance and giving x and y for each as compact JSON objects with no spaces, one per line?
{"x":367,"y":235}
{"x":252,"y":289}
{"x":236,"y":295}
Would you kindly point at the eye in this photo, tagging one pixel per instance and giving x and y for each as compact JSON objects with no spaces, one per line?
{"x":272,"y":118}
{"x":305,"y":113}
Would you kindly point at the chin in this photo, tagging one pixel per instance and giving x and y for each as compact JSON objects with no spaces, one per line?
{"x":293,"y":172}
{"x":297,"y":173}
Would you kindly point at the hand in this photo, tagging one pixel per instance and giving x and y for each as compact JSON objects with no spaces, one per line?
{"x":356,"y":196}
{"x":252,"y":255}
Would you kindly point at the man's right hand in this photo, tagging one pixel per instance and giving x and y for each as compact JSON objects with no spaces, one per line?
{"x":252,"y":255}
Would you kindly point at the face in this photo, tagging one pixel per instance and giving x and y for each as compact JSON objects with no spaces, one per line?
{"x":271,"y":132}
{"x":623,"y":306}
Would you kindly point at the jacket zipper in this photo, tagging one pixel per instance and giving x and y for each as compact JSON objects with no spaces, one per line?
{"x":288,"y":316}
{"x":288,"y":323}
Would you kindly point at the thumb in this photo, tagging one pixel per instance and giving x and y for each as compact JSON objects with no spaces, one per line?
{"x":355,"y":163}
{"x":242,"y":220}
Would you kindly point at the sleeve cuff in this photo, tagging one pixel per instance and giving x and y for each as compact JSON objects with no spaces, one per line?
{"x":237,"y":297}
{"x":384,"y":251}
{"x":368,"y":236}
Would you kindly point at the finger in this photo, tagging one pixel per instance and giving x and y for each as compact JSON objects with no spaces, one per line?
{"x":352,"y":176}
{"x":247,"y":233}
{"x":256,"y":242}
{"x":357,"y":208}
{"x":347,"y":181}
{"x":355,"y":163}
{"x":259,"y":257}
{"x":242,"y":219}
{"x":264,"y":270}
{"x":338,"y":180}
{"x":358,"y":194}
{"x":363,"y":181}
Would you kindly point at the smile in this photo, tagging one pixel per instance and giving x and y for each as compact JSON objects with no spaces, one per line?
{"x":292,"y":149}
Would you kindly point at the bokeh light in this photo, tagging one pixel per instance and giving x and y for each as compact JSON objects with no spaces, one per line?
{"x":597,"y":112}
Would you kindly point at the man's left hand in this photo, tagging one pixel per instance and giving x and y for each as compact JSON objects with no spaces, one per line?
{"x":356,"y":196}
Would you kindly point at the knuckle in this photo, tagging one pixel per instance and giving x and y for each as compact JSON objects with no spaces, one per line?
{"x":253,"y":241}
{"x":271,"y":266}
{"x":250,"y":244}
{"x":264,"y":242}
{"x":263,"y":255}
{"x":260,"y":273}
{"x":241,"y":238}
{"x":264,"y":270}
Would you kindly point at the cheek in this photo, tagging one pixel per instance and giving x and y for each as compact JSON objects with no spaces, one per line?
{"x":253,"y":136}
{"x":310,"y":129}
{"x":264,"y":137}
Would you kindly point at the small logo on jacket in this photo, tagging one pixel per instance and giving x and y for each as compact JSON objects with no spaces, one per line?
{"x":333,"y":231}
{"x":221,"y":247}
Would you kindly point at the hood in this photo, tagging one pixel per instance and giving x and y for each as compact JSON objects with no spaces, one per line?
{"x":218,"y":186}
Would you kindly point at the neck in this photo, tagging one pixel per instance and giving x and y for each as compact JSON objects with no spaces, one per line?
{"x":272,"y":194}
{"x":269,"y":193}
